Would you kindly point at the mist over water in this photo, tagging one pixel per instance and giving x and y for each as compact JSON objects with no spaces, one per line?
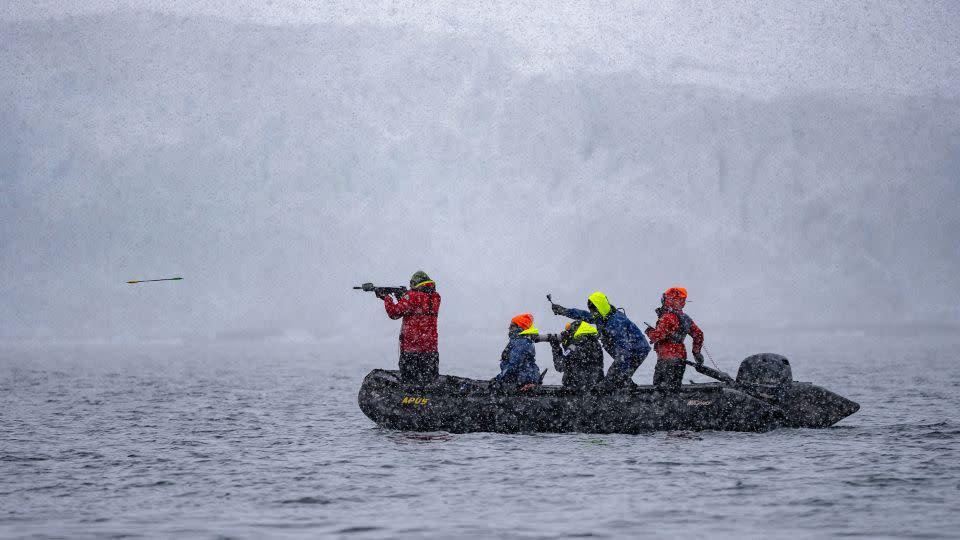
{"x":274,"y":166}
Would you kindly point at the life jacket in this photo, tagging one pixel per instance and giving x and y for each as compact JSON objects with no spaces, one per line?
{"x":427,"y":309}
{"x":685,"y":324}
{"x":532,"y":331}
{"x":582,"y":329}
{"x":432,"y":300}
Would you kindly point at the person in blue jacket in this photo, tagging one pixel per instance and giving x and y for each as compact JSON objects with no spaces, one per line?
{"x":621,"y":338}
{"x":518,"y":364}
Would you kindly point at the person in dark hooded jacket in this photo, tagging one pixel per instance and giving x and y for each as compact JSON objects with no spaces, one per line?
{"x":579,"y":356}
{"x":518,"y":363}
{"x":673,"y":326}
{"x":621,"y":338}
{"x":418,"y":307}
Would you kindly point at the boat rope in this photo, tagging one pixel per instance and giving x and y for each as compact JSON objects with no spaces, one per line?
{"x":710,"y":356}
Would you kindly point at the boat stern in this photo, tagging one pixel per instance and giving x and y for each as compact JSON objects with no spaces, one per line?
{"x":809,"y":406}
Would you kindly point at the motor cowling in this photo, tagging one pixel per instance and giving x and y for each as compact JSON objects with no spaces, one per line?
{"x":767,"y":373}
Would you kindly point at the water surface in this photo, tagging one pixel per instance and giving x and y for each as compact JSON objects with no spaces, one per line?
{"x":252,"y":440}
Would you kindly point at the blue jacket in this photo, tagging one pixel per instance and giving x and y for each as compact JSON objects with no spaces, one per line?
{"x":620,"y":337}
{"x":518,"y":364}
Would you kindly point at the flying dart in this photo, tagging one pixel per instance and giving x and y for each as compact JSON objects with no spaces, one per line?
{"x":149,"y":280}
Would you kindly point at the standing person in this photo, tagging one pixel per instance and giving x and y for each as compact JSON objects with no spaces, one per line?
{"x":518,"y":362}
{"x":621,"y":338}
{"x":673,"y":326}
{"x":579,"y":356}
{"x":419,"y":359}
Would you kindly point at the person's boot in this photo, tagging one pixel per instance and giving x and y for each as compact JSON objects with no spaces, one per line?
{"x":607,"y":385}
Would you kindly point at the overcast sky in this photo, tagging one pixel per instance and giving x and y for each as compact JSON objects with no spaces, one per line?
{"x":760,"y":47}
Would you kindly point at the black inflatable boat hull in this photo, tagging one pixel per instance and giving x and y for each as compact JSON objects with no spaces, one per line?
{"x":461,"y":405}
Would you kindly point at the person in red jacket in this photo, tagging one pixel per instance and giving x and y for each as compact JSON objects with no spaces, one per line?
{"x":673,"y":326}
{"x":418,"y":307}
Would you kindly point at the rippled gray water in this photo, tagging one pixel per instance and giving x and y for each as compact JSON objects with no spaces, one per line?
{"x":267,"y":440}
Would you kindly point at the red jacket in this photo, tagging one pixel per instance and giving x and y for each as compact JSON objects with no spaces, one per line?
{"x":419,"y":309}
{"x":664,"y":337}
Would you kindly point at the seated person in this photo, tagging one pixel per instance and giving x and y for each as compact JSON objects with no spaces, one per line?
{"x":518,"y":364}
{"x":579,"y":356}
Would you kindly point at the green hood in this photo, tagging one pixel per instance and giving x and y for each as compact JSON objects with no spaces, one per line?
{"x":419,"y":278}
{"x":599,"y":301}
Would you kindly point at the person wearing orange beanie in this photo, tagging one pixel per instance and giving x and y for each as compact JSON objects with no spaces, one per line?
{"x":518,"y":363}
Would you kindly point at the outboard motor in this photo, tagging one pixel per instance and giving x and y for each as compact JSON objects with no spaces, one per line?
{"x":766,"y":374}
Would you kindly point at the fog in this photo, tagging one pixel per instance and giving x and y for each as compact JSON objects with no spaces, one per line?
{"x":275,"y":162}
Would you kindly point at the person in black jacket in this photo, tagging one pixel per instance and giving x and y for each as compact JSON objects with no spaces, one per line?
{"x":579,"y":356}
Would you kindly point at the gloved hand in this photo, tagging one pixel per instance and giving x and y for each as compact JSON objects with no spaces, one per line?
{"x":699,"y":358}
{"x":380,"y":294}
{"x":557,"y":309}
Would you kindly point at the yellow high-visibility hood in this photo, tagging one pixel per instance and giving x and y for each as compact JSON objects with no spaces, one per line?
{"x":599,"y":301}
{"x":585,"y":329}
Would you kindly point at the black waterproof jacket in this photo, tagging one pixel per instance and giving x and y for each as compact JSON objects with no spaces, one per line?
{"x":581,"y":362}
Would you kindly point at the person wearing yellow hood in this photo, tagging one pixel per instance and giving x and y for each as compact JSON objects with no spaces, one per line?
{"x":579,"y":356}
{"x":621,"y":338}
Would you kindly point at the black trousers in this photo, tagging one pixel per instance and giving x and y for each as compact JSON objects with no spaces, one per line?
{"x":581,"y":379}
{"x":669,"y":373}
{"x":419,"y":367}
{"x":620,"y":373}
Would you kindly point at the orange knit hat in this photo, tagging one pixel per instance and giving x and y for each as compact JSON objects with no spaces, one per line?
{"x":524,"y":321}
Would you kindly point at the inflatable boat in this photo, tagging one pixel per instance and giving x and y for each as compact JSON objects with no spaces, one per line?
{"x":762,"y":397}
